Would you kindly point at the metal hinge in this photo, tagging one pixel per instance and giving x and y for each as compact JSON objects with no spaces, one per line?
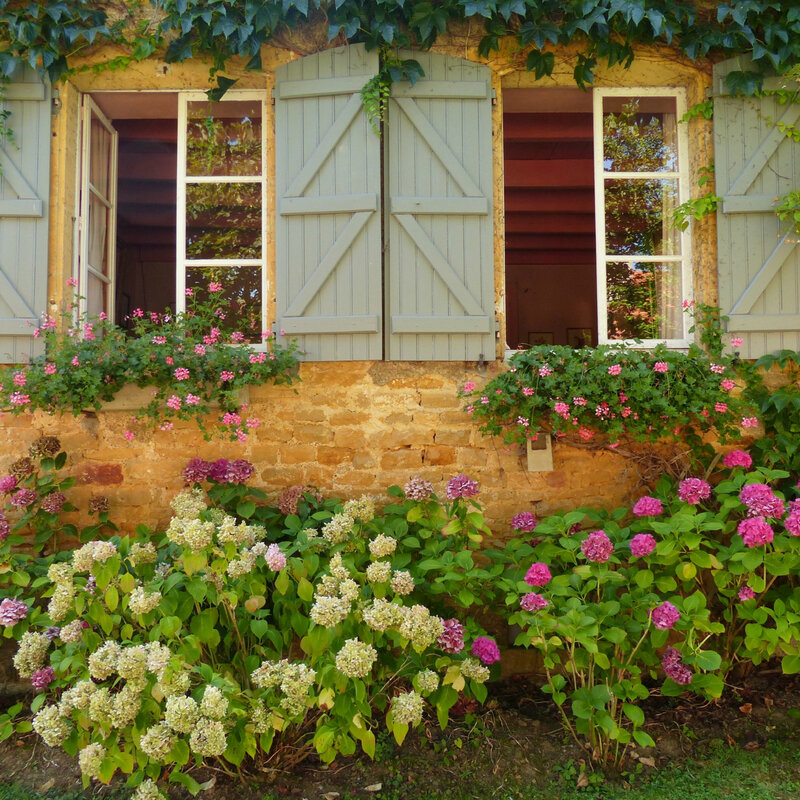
{"x":494,"y":97}
{"x":272,"y":96}
{"x":55,"y":103}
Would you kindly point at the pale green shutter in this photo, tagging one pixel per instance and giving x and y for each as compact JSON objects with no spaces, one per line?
{"x":759,"y":258}
{"x":438,"y":162}
{"x":328,"y":237}
{"x":24,"y":203}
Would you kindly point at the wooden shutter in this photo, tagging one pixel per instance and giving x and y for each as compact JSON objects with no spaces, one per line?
{"x":759,"y":258}
{"x":438,"y":162}
{"x":24,"y":203}
{"x":328,"y":182}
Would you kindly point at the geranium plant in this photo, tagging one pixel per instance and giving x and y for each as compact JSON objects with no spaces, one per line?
{"x":604,"y":393}
{"x":193,"y":361}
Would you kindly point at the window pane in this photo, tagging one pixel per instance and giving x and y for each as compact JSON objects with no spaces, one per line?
{"x":224,"y":138}
{"x":99,"y":157}
{"x":639,"y":217}
{"x":640,"y":134}
{"x":644,"y":301}
{"x":223,"y":220}
{"x":96,"y":292}
{"x":240,"y":298}
{"x":98,"y":234}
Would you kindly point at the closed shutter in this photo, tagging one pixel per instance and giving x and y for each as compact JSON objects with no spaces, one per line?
{"x":328,"y":182}
{"x":438,"y":161}
{"x":24,"y":203}
{"x":759,"y":258}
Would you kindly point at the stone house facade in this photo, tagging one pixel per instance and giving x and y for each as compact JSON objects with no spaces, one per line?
{"x":494,"y":211}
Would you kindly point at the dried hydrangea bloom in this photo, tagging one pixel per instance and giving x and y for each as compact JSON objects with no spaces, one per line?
{"x":125,"y":706}
{"x":101,"y":707}
{"x":42,"y":678}
{"x":190,"y":504}
{"x":147,"y":790}
{"x":418,"y":489}
{"x":181,"y":713}
{"x":473,"y":670}
{"x":427,"y":681}
{"x":142,"y":553}
{"x":355,"y":658}
{"x":755,"y":531}
{"x":214,"y":703}
{"x":22,"y":468}
{"x":382,"y":615}
{"x":23,"y":498}
{"x":225,"y":471}
{"x":461,"y":486}
{"x":382,"y":545}
{"x":196,"y":471}
{"x":90,"y":758}
{"x":402,"y":582}
{"x":208,"y":738}
{"x":53,"y":503}
{"x":157,"y":741}
{"x":451,"y":640}
{"x":674,"y":668}
{"x":5,"y":527}
{"x":8,"y":483}
{"x":12,"y":611}
{"x":99,"y":505}
{"x":51,"y":726}
{"x":379,"y":572}
{"x":45,"y":447}
{"x":361,"y":510}
{"x":407,"y":708}
{"x":103,"y":662}
{"x":77,"y":697}
{"x":31,"y":653}
{"x":338,"y":528}
{"x":72,"y":632}
{"x":524,"y":521}
{"x":533,"y":602}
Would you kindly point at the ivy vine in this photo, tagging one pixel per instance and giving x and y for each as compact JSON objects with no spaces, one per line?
{"x":48,"y":35}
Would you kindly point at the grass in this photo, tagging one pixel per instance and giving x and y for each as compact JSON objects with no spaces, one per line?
{"x":718,"y":772}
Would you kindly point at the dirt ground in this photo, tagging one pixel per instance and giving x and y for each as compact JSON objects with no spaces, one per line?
{"x":515,"y":740}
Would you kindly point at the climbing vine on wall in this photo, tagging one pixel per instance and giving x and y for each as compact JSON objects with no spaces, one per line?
{"x":47,"y":35}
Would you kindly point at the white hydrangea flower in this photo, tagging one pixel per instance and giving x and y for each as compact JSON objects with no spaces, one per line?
{"x":379,"y":572}
{"x":382,"y":545}
{"x":142,"y":602}
{"x":407,"y":708}
{"x":157,"y":741}
{"x":338,"y":528}
{"x":427,"y":681}
{"x":355,"y":658}
{"x":189,"y":505}
{"x":77,"y":697}
{"x":402,"y":582}
{"x":329,"y":611}
{"x":147,"y":790}
{"x":72,"y":631}
{"x":472,"y":669}
{"x":142,"y":553}
{"x":181,"y":713}
{"x":90,"y":758}
{"x":31,"y":653}
{"x":214,"y":704}
{"x":208,"y":738}
{"x":51,"y":726}
{"x":420,"y":626}
{"x":382,"y":615}
{"x":103,"y":662}
{"x":362,"y":509}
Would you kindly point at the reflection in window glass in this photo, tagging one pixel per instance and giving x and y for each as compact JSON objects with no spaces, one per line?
{"x":240,"y":297}
{"x":640,"y":134}
{"x":223,"y":138}
{"x":639,"y":217}
{"x":644,"y":300}
{"x":223,"y":220}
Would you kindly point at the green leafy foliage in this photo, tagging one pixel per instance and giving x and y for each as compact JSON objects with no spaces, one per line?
{"x":194,"y":361}
{"x":598,"y":616}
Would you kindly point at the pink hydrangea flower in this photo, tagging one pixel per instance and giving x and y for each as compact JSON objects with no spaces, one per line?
{"x":524,"y":521}
{"x":12,"y":611}
{"x":486,"y":649}
{"x":755,"y":531}
{"x":737,"y":458}
{"x":538,"y":574}
{"x":8,"y":483}
{"x":597,"y":547}
{"x":533,"y":602}
{"x":665,"y":616}
{"x":642,"y":545}
{"x":648,"y":507}
{"x":761,"y":501}
{"x":660,"y":366}
{"x":614,"y":369}
{"x":746,"y":593}
{"x":42,"y":678}
{"x":451,"y":640}
{"x":23,"y":498}
{"x":461,"y":486}
{"x":275,"y":558}
{"x":792,"y":523}
{"x":693,"y":490}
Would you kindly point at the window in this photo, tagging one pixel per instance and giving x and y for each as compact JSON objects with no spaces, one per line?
{"x":591,"y":181}
{"x":173,"y":197}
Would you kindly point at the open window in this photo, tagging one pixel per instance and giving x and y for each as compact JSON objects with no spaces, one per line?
{"x":173,"y":198}
{"x":591,"y":181}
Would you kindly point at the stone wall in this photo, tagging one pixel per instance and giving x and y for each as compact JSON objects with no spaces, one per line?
{"x":348,"y":428}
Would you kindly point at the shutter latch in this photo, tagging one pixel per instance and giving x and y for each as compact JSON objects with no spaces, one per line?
{"x":55,"y":107}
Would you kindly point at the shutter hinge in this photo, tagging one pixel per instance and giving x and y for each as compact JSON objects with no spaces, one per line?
{"x":55,"y":106}
{"x":494,"y":97}
{"x":272,"y":96}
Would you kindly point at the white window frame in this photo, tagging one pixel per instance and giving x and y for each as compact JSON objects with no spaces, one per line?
{"x":86,"y":191}
{"x":182,"y":262}
{"x":600,"y":177}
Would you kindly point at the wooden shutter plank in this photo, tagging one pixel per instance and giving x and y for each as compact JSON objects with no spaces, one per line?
{"x":768,"y":270}
{"x":763,"y":322}
{"x":24,"y":196}
{"x":440,"y":147}
{"x":748,"y":204}
{"x":328,"y":235}
{"x":475,"y":90}
{"x":440,"y":205}
{"x":465,"y":324}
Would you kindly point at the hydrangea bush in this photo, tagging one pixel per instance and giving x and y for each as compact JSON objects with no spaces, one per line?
{"x":601,"y":394}
{"x":194,"y":361}
{"x":668,"y":596}
{"x":227,"y":640}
